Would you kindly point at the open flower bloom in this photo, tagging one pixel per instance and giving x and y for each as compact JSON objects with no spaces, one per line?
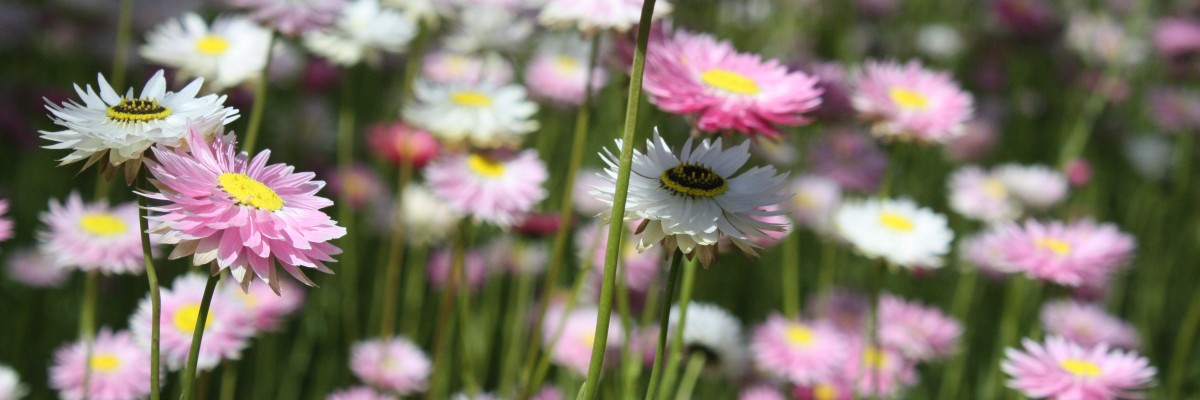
{"x":483,"y":115}
{"x":982,"y":196}
{"x":227,"y":329}
{"x":1069,"y":254}
{"x":714,"y":332}
{"x":362,"y":32}
{"x":696,"y":74}
{"x":589,"y":16}
{"x":802,"y":352}
{"x":1101,"y":39}
{"x":232,"y":51}
{"x":120,"y":368}
{"x":293,"y":17}
{"x":881,"y":373}
{"x":499,"y":187}
{"x":909,"y":102}
{"x":814,"y":201}
{"x":692,"y":200}
{"x":485,"y":27}
{"x":898,"y":231}
{"x":559,"y":72}
{"x":120,"y":128}
{"x":573,"y":347}
{"x":1059,"y":369}
{"x":1035,"y":186}
{"x":917,"y":331}
{"x":395,"y":364}
{"x":639,"y":268}
{"x":92,"y":236}
{"x":239,"y":212}
{"x":1087,"y":324}
{"x":444,"y":67}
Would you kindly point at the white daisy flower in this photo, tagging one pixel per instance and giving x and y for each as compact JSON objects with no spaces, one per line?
{"x":693,"y":200}
{"x":716,"y":333}
{"x":362,"y":32}
{"x":483,"y":114}
{"x":1035,"y":186}
{"x":233,"y":51}
{"x":10,"y":384}
{"x":427,"y":11}
{"x":485,"y":27}
{"x":592,"y":15}
{"x":428,"y":219}
{"x":122,"y":127}
{"x":897,"y":231}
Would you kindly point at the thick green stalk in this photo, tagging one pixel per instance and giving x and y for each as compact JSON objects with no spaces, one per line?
{"x":676,"y":356}
{"x":1182,"y":351}
{"x":462,"y":289}
{"x":155,"y":297}
{"x":229,"y":380}
{"x":121,"y":53}
{"x":260,"y":102}
{"x":791,"y":276}
{"x":395,"y":256}
{"x":87,"y":323}
{"x":627,"y":324}
{"x":189,"y":372}
{"x":617,"y":228}
{"x":964,"y":295}
{"x":664,"y":320}
{"x":349,"y":258}
{"x":690,"y":375}
{"x":1009,"y":329}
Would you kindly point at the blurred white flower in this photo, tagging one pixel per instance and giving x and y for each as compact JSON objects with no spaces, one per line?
{"x":234,"y":50}
{"x":897,"y":231}
{"x":363,"y":31}
{"x":485,"y":115}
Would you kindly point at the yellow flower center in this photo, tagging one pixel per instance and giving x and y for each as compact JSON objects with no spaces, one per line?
{"x":729,"y":81}
{"x":104,"y":362}
{"x":246,"y":298}
{"x":805,"y":201}
{"x":212,"y":45}
{"x":693,"y":180}
{"x":825,"y":391}
{"x":1056,"y":246}
{"x":588,"y":338}
{"x":799,"y":335}
{"x":102,"y":224}
{"x":485,"y":166}
{"x":471,"y":99}
{"x":1080,"y":368}
{"x":250,"y":192}
{"x":874,"y":358}
{"x":186,"y":317}
{"x":908,"y":98}
{"x":896,"y":222}
{"x":566,"y":65}
{"x":137,"y":110}
{"x":995,"y":189}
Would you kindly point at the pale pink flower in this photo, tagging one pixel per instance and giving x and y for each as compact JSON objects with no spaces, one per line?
{"x":838,"y":389}
{"x":588,"y":180}
{"x":1177,"y":37}
{"x":801,"y":352}
{"x":558,"y":73}
{"x":227,"y":329}
{"x":909,"y":102}
{"x":34,"y":269}
{"x":293,"y":17}
{"x":445,"y":67}
{"x":548,"y":393}
{"x":395,"y":364}
{"x":917,"y":331}
{"x":1087,"y":324}
{"x":1069,"y":254}
{"x":882,"y":373}
{"x":358,"y":393}
{"x":499,"y":188}
{"x":1059,"y":369}
{"x":761,"y":392}
{"x":814,"y":200}
{"x":1035,"y":186}
{"x":397,"y":142}
{"x":573,"y":349}
{"x":981,"y":196}
{"x":845,"y":309}
{"x":120,"y":369}
{"x":6,"y":224}
{"x":266,"y":308}
{"x":776,"y":218}
{"x":985,"y":251}
{"x":92,"y":236}
{"x":357,"y":184}
{"x":1173,"y":109}
{"x":475,"y":269}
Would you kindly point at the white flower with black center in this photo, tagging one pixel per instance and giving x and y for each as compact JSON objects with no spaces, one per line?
{"x":123,"y":127}
{"x":693,"y":200}
{"x":715,"y":333}
{"x":897,"y":231}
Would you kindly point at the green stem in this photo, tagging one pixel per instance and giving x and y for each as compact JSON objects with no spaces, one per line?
{"x":155,"y":297}
{"x":627,"y":324}
{"x":121,"y":53}
{"x":964,"y":295}
{"x":1009,"y":329}
{"x":510,"y":363}
{"x":229,"y":380}
{"x":395,"y":256}
{"x":414,"y":291}
{"x":87,"y":323}
{"x":189,"y":372}
{"x":676,"y":357}
{"x":1183,"y":349}
{"x":462,"y":288}
{"x":617,"y":228}
{"x":349,"y":258}
{"x":260,"y":102}
{"x":791,"y":276}
{"x":691,"y":375}
{"x":664,"y":321}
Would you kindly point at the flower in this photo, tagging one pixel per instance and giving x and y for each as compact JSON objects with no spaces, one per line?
{"x":589,"y":16}
{"x":696,"y":74}
{"x":227,"y":328}
{"x":1035,"y":186}
{"x":1069,"y":254}
{"x":34,"y":269}
{"x":984,"y":250}
{"x":394,"y":364}
{"x":1101,"y":39}
{"x":693,"y":200}
{"x":398,"y":143}
{"x":240,"y":212}
{"x":980,"y":195}
{"x":939,"y":41}
{"x":1173,"y":109}
{"x":714,"y":332}
{"x":363,"y":30}
{"x":1087,"y":324}
{"x":123,"y":127}
{"x":92,"y":236}
{"x":839,"y":389}
{"x":586,"y":181}
{"x":428,"y":218}
{"x":444,"y":67}
{"x":356,"y":184}
{"x":6,"y":224}
{"x":573,"y":344}
{"x":976,"y":142}
{"x":498,"y":187}
{"x":233,"y":51}
{"x":898,"y":231}
{"x":814,"y":200}
{"x":1177,"y":37}
{"x":1059,"y":369}
{"x":265,"y":307}
{"x":760,"y":392}
{"x":878,"y":372}
{"x":475,"y":269}
{"x":358,"y":393}
{"x":909,"y":102}
{"x":483,"y":27}
{"x":559,"y":72}
{"x":802,"y":352}
{"x":293,"y":17}
{"x":917,"y":331}
{"x":120,"y":368}
{"x":639,"y":268}
{"x":548,"y":393}
{"x":10,"y":384}
{"x":851,"y":158}
{"x":483,"y":114}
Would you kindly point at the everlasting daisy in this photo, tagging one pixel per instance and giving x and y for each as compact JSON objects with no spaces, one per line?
{"x":983,"y":196}
{"x":558,"y":71}
{"x":984,"y":250}
{"x":92,"y":236}
{"x":851,"y":158}
{"x":265,"y":307}
{"x":293,"y":17}
{"x":429,"y":219}
{"x":814,"y":200}
{"x":549,"y":393}
{"x":483,"y":27}
{"x":917,"y":331}
{"x":1067,"y":254}
{"x":804,"y":353}
{"x":399,"y":143}
{"x":573,"y":349}
{"x":483,"y":115}
{"x":498,"y":188}
{"x":714,"y":332}
{"x":1101,"y":39}
{"x":120,"y":369}
{"x":840,"y":389}
{"x":395,"y":364}
{"x":909,"y":102}
{"x":695,"y":74}
{"x":640,"y":268}
{"x":34,"y":269}
{"x":120,"y":128}
{"x":6,"y":224}
{"x":1087,"y":325}
{"x":240,"y":212}
{"x":761,"y":392}
{"x":1035,"y":186}
{"x":693,"y":200}
{"x":589,"y":16}
{"x":10,"y":384}
{"x":358,"y":393}
{"x":232,"y":51}
{"x":362,"y":32}
{"x":227,"y":329}
{"x":881,"y":373}
{"x":898,"y":231}
{"x":444,"y":67}
{"x":1059,"y":369}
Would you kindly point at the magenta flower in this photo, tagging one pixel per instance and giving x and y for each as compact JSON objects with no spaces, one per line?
{"x":1177,"y":37}
{"x":1067,"y":254}
{"x":397,"y":142}
{"x":840,"y":389}
{"x":698,"y":75}
{"x":498,"y":187}
{"x":573,"y":349}
{"x":558,"y":73}
{"x":120,"y":369}
{"x":395,"y":364}
{"x":243,"y":214}
{"x":804,"y":353}
{"x":6,"y":225}
{"x":909,"y":102}
{"x":1088,"y":325}
{"x":639,"y":268}
{"x":293,"y":17}
{"x":917,"y":331}
{"x":227,"y":329}
{"x":92,"y":236}
{"x":1059,"y":369}
{"x":761,"y":392}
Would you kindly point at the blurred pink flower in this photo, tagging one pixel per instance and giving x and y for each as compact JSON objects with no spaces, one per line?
{"x":32,"y":268}
{"x":802,"y":352}
{"x":917,"y":331}
{"x":1069,"y":254}
{"x":397,"y":142}
{"x":877,"y":372}
{"x":227,"y":330}
{"x":120,"y":368}
{"x":1087,"y":324}
{"x":450,"y":67}
{"x":1059,"y":369}
{"x":267,"y":309}
{"x":357,"y":184}
{"x":852,"y":159}
{"x":640,"y":268}
{"x":293,"y":17}
{"x":561,"y":77}
{"x":499,"y":188}
{"x":573,"y":349}
{"x":6,"y":224}
{"x":475,"y":269}
{"x":761,"y":392}
{"x":358,"y":393}
{"x":981,"y":195}
{"x":978,"y":138}
{"x":394,"y":364}
{"x":1177,"y":37}
{"x":92,"y":236}
{"x":909,"y":102}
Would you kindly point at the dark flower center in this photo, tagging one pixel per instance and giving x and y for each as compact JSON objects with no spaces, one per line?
{"x":693,"y":180}
{"x":138,"y":110}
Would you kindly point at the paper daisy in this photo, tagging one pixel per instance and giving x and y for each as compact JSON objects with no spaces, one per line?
{"x":225,"y":207}
{"x":714,"y":332}
{"x":10,"y":384}
{"x":693,"y":200}
{"x":1069,"y":254}
{"x":1087,"y":325}
{"x":358,"y":393}
{"x":839,"y":389}
{"x":363,"y":31}
{"x":357,"y":184}
{"x":121,"y":128}
{"x":803,"y":353}
{"x":761,"y":392}
{"x":1035,"y":186}
{"x":266,"y":308}
{"x":845,"y":309}
{"x":399,"y":143}
{"x":120,"y":369}
{"x":32,"y":268}
{"x":483,"y":115}
{"x":498,"y":188}
{"x":292,"y":17}
{"x":232,"y":51}
{"x":429,"y":219}
{"x":909,"y":102}
{"x":6,"y":224}
{"x":698,"y":75}
{"x":982,"y":196}
{"x":876,"y":372}
{"x":395,"y":364}
{"x":589,"y":16}
{"x":558,"y":72}
{"x":586,"y":180}
{"x":573,"y":350}
{"x":1058,"y":369}
{"x":484,"y":27}
{"x":814,"y":201}
{"x":897,"y":231}
{"x":917,"y":331}
{"x":449,"y":67}
{"x":92,"y":236}
{"x":227,"y":329}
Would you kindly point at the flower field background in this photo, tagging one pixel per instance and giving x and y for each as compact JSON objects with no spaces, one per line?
{"x":924,"y":199}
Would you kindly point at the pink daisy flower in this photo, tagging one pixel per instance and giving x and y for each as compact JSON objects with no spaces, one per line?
{"x":397,"y":143}
{"x":558,"y":72}
{"x":878,"y":372}
{"x":243,"y":214}
{"x":917,"y":331}
{"x":1087,"y":324}
{"x":591,"y":15}
{"x":982,"y":196}
{"x":1059,"y":369}
{"x":395,"y":364}
{"x":497,"y":187}
{"x":1035,"y":186}
{"x":92,"y":236}
{"x":640,"y":269}
{"x":909,"y":102}
{"x":358,"y":393}
{"x":802,"y":352}
{"x":293,"y":17}
{"x":120,"y":369}
{"x":849,"y":157}
{"x":266,"y":308}
{"x":34,"y":269}
{"x":696,"y":74}
{"x":475,"y":267}
{"x":1067,"y":254}
{"x":1177,"y":37}
{"x":6,"y":225}
{"x":776,"y":218}
{"x":985,"y":251}
{"x":445,"y":67}
{"x":832,"y":390}
{"x":573,"y":350}
{"x":227,"y":329}
{"x":761,"y":392}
